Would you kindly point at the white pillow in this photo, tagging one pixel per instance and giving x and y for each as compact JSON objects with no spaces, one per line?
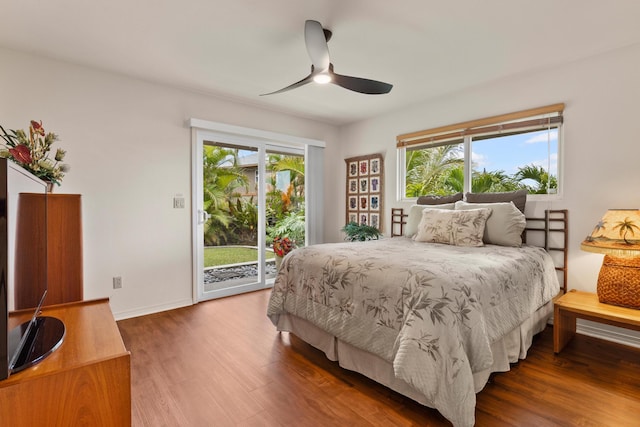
{"x":504,"y":226}
{"x":415,"y":215}
{"x":460,"y":228}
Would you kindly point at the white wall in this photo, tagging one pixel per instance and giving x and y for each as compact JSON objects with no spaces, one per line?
{"x":129,"y":151}
{"x":601,"y":168}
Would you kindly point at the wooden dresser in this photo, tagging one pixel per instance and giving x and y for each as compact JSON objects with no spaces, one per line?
{"x":63,"y":247}
{"x":85,"y":382}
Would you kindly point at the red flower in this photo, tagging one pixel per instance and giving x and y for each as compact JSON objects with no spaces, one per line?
{"x":21,"y":153}
{"x":37,"y":127}
{"x":282,"y":246}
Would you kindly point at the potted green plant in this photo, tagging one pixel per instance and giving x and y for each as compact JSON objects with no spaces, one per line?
{"x":360,"y":232}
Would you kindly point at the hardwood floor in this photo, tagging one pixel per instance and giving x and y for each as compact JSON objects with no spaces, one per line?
{"x":222,"y":363}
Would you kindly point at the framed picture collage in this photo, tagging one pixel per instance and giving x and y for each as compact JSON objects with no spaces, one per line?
{"x":365,"y":177}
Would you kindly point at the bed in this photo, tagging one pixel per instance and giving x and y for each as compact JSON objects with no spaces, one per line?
{"x":431,"y":321}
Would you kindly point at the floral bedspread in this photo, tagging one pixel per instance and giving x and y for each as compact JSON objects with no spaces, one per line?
{"x":431,"y":310}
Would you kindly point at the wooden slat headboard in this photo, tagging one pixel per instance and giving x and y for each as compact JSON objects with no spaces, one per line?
{"x":398,"y":221}
{"x":555,"y":222}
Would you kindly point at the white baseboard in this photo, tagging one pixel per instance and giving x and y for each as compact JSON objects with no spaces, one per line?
{"x":609,"y":333}
{"x":151,"y":309}
{"x":143,"y":311}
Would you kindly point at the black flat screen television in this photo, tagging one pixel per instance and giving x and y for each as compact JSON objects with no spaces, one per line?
{"x":23,"y":272}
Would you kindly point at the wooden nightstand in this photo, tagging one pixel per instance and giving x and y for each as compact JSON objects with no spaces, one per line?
{"x":585,"y":305}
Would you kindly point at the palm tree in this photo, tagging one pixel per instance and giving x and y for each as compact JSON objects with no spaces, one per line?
{"x":285,"y":207}
{"x":481,"y":182}
{"x":427,"y":169}
{"x":626,"y":226}
{"x":221,"y":178}
{"x":455,"y":179}
{"x":295,"y":164}
{"x":599,"y":226}
{"x":281,"y":202}
{"x":493,"y":182}
{"x":539,"y":176}
{"x":440,"y":170}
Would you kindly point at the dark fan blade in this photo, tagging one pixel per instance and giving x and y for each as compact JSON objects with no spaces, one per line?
{"x":357,"y":84}
{"x":302,"y":82}
{"x":316,"y":43}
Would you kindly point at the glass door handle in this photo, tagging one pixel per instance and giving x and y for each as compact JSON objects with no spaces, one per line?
{"x":203,"y":216}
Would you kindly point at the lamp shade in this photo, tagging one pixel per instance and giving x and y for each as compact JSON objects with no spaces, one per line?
{"x":616,"y":234}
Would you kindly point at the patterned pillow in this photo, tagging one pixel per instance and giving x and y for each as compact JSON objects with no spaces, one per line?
{"x":460,"y":228}
{"x":415,"y":216}
{"x":504,"y":226}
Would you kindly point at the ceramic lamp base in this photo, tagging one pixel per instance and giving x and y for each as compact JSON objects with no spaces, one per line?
{"x":619,"y":282}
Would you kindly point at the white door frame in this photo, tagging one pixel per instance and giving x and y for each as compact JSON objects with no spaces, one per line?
{"x":201,"y":131}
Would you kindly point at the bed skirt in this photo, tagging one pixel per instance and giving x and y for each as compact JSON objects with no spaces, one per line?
{"x":511,"y":348}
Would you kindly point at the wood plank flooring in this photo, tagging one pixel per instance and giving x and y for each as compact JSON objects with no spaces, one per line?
{"x":222,"y":363}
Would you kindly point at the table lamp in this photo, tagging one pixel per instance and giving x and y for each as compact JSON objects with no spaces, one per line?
{"x":617,"y":235}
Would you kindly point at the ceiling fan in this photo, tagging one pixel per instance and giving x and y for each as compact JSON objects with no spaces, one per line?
{"x":316,"y":38}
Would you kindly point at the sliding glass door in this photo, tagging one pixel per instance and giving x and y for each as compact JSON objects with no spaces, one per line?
{"x":285,"y":203}
{"x":230,"y":206}
{"x":248,"y":193}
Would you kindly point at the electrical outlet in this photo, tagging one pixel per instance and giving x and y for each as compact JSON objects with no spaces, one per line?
{"x":117,"y":282}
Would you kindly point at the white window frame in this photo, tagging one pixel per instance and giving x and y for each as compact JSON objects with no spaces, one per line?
{"x":467,"y":140}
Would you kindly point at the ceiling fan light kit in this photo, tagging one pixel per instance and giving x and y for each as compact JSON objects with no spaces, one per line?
{"x":316,"y":39}
{"x":322,"y":78}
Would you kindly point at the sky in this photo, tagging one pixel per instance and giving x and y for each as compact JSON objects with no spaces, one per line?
{"x":510,"y":152}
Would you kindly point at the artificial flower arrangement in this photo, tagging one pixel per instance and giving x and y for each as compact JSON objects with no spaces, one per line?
{"x":32,"y":152}
{"x":282,"y":246}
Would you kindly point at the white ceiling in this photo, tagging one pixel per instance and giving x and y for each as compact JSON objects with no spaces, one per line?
{"x":238,"y":49}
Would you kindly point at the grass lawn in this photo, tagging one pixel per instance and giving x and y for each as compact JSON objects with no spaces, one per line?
{"x":221,"y":255}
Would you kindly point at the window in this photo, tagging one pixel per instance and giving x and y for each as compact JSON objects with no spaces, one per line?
{"x":502,"y":153}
